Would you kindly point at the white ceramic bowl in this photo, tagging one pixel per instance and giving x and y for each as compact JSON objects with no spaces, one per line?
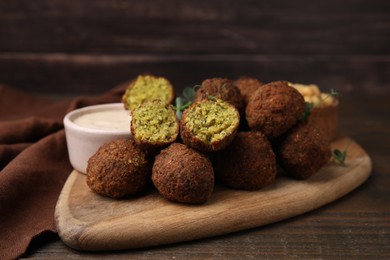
{"x":84,"y":139}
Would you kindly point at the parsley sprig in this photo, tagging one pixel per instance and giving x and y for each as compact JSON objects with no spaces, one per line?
{"x":310,"y":106}
{"x":340,"y":156}
{"x":181,"y":103}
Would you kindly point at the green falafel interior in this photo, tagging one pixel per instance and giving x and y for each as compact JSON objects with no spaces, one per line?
{"x":154,"y":122}
{"x":147,"y":88}
{"x":211,"y":120}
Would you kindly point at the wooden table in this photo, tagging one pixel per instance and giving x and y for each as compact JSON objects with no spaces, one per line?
{"x":355,"y":226}
{"x":86,"y":47}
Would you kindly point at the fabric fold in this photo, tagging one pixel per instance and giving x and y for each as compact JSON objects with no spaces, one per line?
{"x":34,"y":163}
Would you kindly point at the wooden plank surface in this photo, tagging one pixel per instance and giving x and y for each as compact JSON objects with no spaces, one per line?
{"x":88,"y":221}
{"x":85,"y":74}
{"x":174,"y":26}
{"x":68,"y":47}
{"x":60,"y":48}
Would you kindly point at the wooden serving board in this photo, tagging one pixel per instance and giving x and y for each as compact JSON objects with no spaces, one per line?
{"x":87,"y":221}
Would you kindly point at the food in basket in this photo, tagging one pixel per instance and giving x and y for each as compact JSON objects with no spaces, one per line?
{"x":183,"y":174}
{"x":147,"y":88}
{"x":325,"y":107}
{"x":303,"y":150}
{"x":118,"y":168}
{"x":154,"y":125}
{"x":209,"y":124}
{"x":248,"y":163}
{"x":274,"y":108}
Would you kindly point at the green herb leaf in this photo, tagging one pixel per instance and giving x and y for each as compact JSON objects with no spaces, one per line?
{"x":340,"y":156}
{"x":181,"y":103}
{"x":189,"y":93}
{"x":308,"y":108}
{"x":178,"y":103}
{"x":334,"y":93}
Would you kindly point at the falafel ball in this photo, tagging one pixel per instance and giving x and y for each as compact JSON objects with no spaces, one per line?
{"x":303,"y":150}
{"x":209,"y":124}
{"x":247,"y":86}
{"x":248,"y":163}
{"x":147,"y":88}
{"x":154,"y":125}
{"x":118,"y":168}
{"x":274,"y":108}
{"x":221,"y":88}
{"x":183,"y":174}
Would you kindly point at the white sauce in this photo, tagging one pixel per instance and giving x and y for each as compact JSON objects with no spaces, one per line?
{"x":105,"y":120}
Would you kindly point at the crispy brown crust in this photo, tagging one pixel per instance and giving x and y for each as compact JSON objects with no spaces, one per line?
{"x":183,"y":174}
{"x":248,"y":163}
{"x":193,"y":141}
{"x":274,"y":108}
{"x":247,"y":86}
{"x":118,"y":168}
{"x":304,"y":150}
{"x":224,"y":89}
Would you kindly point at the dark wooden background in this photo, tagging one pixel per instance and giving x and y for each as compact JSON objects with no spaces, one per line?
{"x":72,"y":47}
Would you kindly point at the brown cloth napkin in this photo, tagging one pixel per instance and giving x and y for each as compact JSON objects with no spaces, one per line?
{"x":34,"y":163}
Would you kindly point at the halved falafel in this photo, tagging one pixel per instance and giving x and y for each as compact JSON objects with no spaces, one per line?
{"x":303,"y":150}
{"x":248,"y":163}
{"x":221,"y":88}
{"x":183,"y":174}
{"x":209,"y":124}
{"x":154,"y":125}
{"x":274,"y":108}
{"x":147,"y":88}
{"x":118,"y":168}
